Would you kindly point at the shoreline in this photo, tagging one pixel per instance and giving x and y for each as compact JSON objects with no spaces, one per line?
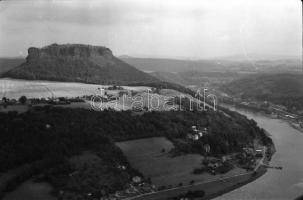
{"x":288,"y":121}
{"x":237,"y":185}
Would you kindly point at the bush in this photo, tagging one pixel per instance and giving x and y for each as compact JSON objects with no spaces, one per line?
{"x":195,"y":194}
{"x":199,"y":170}
{"x":22,"y":99}
{"x":162,"y":187}
{"x":192,"y":194}
{"x":226,"y":167}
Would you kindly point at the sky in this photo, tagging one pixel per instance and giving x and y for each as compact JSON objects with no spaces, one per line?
{"x":192,"y":29}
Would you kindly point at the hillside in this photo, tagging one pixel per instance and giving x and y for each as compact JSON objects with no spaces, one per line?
{"x":198,"y":78}
{"x":77,"y":63}
{"x":9,"y":63}
{"x":285,"y":89}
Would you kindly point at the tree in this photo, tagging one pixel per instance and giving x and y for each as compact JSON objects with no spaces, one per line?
{"x":22,"y":99}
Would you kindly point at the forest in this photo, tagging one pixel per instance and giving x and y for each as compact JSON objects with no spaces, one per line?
{"x":44,"y":138}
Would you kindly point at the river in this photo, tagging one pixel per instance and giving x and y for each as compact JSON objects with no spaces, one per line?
{"x":275,"y":184}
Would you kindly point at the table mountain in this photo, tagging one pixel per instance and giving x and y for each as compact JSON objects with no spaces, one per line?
{"x":77,"y":63}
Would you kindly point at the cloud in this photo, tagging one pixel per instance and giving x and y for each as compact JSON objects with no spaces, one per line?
{"x":84,"y":14}
{"x":154,"y":27}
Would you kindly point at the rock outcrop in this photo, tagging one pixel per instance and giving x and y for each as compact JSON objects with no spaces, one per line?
{"x":77,"y":62}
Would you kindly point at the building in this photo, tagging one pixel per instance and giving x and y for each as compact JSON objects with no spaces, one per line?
{"x":136,"y":179}
{"x":259,"y":153}
{"x":197,"y":134}
{"x":193,"y":136}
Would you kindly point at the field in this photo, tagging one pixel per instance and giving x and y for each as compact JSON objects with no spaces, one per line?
{"x":14,"y":88}
{"x":147,"y":156}
{"x":31,"y":190}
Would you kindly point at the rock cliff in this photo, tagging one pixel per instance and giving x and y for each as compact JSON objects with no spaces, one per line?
{"x":77,"y":62}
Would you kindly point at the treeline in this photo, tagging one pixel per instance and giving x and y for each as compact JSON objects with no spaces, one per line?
{"x":292,"y":103}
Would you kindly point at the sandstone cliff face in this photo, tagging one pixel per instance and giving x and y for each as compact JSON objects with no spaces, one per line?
{"x":70,"y":50}
{"x":77,"y":62}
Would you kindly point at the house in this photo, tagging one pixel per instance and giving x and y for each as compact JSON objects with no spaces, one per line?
{"x":259,"y":152}
{"x":122,"y":167}
{"x":197,"y":133}
{"x":200,"y":134}
{"x":130,"y":190}
{"x":136,"y":179}
{"x":193,"y":136}
{"x":248,"y":150}
{"x":213,"y":165}
{"x":290,"y":116}
{"x":205,"y":131}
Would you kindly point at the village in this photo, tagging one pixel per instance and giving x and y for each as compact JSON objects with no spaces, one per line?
{"x":247,"y":158}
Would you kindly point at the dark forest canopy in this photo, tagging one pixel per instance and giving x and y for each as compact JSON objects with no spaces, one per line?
{"x":54,"y":131}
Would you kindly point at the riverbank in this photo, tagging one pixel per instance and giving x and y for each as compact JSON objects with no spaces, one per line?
{"x":275,"y":184}
{"x":237,"y":184}
{"x":291,"y":118}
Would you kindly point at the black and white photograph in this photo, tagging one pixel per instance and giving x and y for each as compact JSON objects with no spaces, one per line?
{"x":151,"y":99}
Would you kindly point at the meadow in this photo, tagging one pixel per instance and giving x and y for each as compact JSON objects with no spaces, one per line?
{"x":151,"y":157}
{"x":14,"y":88}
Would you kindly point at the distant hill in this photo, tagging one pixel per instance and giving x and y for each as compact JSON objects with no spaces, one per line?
{"x":257,"y":57}
{"x":172,"y":65}
{"x":9,"y":63}
{"x":236,"y":64}
{"x":286,"y":89}
{"x":270,"y":86}
{"x":198,"y":78}
{"x":170,"y":77}
{"x":79,"y":63}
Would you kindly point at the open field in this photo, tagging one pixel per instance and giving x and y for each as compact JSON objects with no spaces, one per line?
{"x":146,"y":156}
{"x":14,"y":88}
{"x":31,"y":190}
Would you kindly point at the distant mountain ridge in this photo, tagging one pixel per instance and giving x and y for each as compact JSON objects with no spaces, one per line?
{"x":9,"y":63}
{"x":79,"y":63}
{"x":172,"y":65}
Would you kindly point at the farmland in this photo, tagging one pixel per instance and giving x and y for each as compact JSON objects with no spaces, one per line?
{"x":30,"y":190}
{"x":148,"y":156}
{"x":14,"y":88}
